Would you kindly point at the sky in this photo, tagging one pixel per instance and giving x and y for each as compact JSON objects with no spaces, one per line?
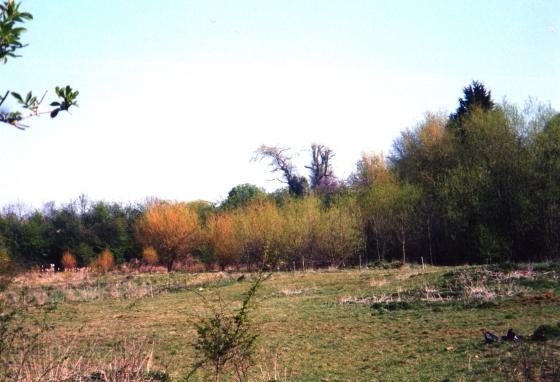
{"x":176,"y":95}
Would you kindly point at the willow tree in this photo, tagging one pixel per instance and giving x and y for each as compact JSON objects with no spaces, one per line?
{"x":173,"y":229}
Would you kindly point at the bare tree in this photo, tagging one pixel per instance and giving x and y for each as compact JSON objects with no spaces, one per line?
{"x":281,"y":162}
{"x":321,"y":167}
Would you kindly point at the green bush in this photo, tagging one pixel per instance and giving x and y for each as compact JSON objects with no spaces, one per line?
{"x":505,"y":267}
{"x":159,"y":376}
{"x":226,"y":342}
{"x":547,"y":332}
{"x":547,"y":267}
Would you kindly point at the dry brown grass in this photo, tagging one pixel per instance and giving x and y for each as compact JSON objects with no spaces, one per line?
{"x":45,"y":361}
{"x":271,"y":367}
{"x":315,"y":336}
{"x":292,"y":291}
{"x":378,"y":282}
{"x":213,"y":278}
{"x":34,"y":279}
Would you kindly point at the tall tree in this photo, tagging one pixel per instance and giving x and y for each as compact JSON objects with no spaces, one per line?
{"x":374,"y":184}
{"x":320,"y":169}
{"x":476,"y":96}
{"x":422,"y":156}
{"x":173,"y":229}
{"x":281,"y":162}
{"x":547,"y":186}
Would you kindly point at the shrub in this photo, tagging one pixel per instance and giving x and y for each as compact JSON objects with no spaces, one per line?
{"x":68,"y":261}
{"x":173,"y":229}
{"x":160,"y":376}
{"x":300,"y":218}
{"x":339,"y":235}
{"x":5,"y":263}
{"x":223,"y":238}
{"x":150,"y":256}
{"x":547,"y":332}
{"x":257,"y":229}
{"x":104,"y":262}
{"x":547,"y":267}
{"x":5,"y":259}
{"x":505,"y":267}
{"x":379,"y":264}
{"x":225,"y":342}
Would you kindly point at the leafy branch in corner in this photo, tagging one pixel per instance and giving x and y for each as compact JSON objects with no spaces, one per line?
{"x":10,"y":31}
{"x":11,"y":19}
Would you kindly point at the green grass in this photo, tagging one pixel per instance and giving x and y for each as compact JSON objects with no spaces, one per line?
{"x":327,"y":326}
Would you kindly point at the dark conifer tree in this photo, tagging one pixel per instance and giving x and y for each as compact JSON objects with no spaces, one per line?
{"x":476,"y":97}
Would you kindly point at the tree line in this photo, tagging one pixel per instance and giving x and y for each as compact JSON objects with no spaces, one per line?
{"x":479,"y":185}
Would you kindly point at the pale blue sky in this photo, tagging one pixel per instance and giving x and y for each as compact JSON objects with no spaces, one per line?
{"x":175,"y":96}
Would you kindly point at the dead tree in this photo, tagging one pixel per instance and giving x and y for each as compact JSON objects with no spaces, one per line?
{"x":281,"y":162}
{"x":321,"y":167}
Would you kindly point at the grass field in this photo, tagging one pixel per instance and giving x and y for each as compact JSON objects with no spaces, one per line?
{"x":405,"y":324}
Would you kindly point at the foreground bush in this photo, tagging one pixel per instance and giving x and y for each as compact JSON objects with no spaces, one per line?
{"x":226,"y":342}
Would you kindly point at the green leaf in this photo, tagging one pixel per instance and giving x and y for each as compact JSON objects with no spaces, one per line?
{"x":17,"y":96}
{"x":54,"y":113}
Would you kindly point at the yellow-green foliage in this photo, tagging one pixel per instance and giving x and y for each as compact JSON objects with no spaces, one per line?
{"x":224,"y":239}
{"x":299,"y":227}
{"x":258,"y":229}
{"x":339,"y":233}
{"x":301,"y":232}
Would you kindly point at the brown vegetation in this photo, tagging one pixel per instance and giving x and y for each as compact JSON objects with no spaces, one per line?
{"x":68,"y":261}
{"x":150,"y":256}
{"x":172,"y":229}
{"x":104,"y":262}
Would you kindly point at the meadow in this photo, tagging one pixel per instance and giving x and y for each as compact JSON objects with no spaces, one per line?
{"x":408,"y":323}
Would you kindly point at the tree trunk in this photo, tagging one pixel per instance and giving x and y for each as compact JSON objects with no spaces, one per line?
{"x":429,"y":223}
{"x":403,"y":242}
